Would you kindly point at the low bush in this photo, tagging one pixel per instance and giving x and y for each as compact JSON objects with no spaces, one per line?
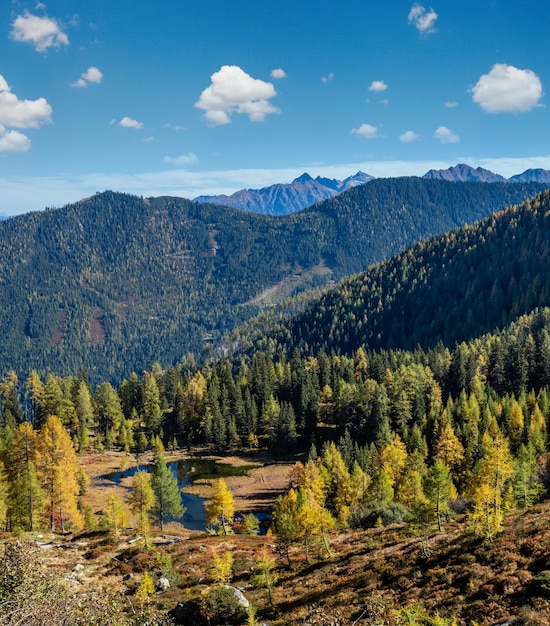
{"x":372,"y":514}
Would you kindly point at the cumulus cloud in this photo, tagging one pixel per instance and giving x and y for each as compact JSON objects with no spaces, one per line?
{"x":409,"y":136}
{"x":278,"y":73}
{"x":184,"y":159}
{"x":91,"y":75}
{"x":378,"y":85}
{"x":41,"y":32}
{"x":423,"y":20}
{"x":13,"y":141}
{"x":446,"y":135}
{"x":328,"y":78}
{"x":22,"y":113}
{"x":451,"y":104}
{"x":367,"y":131}
{"x":128,"y":122}
{"x":232,"y":90}
{"x":507,"y":89}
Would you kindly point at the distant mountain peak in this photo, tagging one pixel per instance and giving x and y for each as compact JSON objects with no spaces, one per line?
{"x":304,"y":178}
{"x":282,"y":199}
{"x":466,"y":174}
{"x":537,"y":175}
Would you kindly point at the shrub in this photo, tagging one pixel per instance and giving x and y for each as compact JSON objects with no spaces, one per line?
{"x":368,"y":515}
{"x":223,"y":607}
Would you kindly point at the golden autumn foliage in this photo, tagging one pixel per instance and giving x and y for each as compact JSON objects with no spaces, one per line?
{"x":58,"y":472}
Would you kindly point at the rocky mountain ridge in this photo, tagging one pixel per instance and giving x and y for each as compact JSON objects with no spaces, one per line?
{"x":286,"y":198}
{"x":305,"y":191}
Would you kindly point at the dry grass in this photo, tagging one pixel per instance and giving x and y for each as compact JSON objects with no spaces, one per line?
{"x":369,"y":572}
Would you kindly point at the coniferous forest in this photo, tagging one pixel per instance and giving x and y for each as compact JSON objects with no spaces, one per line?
{"x":411,"y":402}
{"x":115,"y":282}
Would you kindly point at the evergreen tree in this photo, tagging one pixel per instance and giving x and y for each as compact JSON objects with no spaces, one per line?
{"x":35,"y":389}
{"x":167,"y":493}
{"x":439,"y":489}
{"x":3,"y":497}
{"x":108,"y":409}
{"x":525,"y":481}
{"x":85,"y":414}
{"x":150,"y":408}
{"x":26,"y":498}
{"x":284,"y":435}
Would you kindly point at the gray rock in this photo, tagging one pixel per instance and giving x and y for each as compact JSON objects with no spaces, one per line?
{"x":239,"y":596}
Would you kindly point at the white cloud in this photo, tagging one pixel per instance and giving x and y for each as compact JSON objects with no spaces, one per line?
{"x":278,"y":73}
{"x":183,"y":159}
{"x":446,"y":135}
{"x":41,"y":32}
{"x":506,"y":89}
{"x":328,"y":78}
{"x":451,"y":104}
{"x":409,"y":136}
{"x":30,"y":193}
{"x":422,"y":19}
{"x":13,"y":141}
{"x":22,"y":113}
{"x":233,"y":91}
{"x":91,"y":75}
{"x":378,"y":85}
{"x":128,"y":122}
{"x":367,"y":131}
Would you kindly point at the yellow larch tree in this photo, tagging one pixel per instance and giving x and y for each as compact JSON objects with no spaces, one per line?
{"x":493,"y":472}
{"x":220,"y":509}
{"x":59,"y":474}
{"x":448,"y":448}
{"x":141,"y":501}
{"x":393,"y":459}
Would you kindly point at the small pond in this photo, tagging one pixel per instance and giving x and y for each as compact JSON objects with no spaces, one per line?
{"x":186,"y":472}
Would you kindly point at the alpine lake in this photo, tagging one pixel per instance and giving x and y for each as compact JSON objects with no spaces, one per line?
{"x":187,"y":471}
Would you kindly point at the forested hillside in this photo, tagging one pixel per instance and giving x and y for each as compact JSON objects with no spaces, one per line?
{"x":448,"y":445}
{"x":448,"y":289}
{"x":115,"y":282}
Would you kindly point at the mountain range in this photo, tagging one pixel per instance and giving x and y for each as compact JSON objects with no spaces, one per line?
{"x":304,"y":191}
{"x":466,"y":173}
{"x":115,"y":282}
{"x":285,"y":198}
{"x":282,"y":199}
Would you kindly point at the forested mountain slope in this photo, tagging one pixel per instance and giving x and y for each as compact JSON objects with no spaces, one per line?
{"x":115,"y":282}
{"x":451,"y":288}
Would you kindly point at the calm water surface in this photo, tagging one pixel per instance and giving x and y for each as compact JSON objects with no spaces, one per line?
{"x":187,"y":471}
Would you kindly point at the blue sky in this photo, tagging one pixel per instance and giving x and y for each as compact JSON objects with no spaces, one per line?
{"x":184,"y":98}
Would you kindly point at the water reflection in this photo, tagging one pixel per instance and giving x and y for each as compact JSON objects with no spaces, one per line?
{"x":186,"y":471}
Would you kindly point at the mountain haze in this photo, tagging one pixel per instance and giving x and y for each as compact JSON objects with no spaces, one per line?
{"x":533,"y":175}
{"x":465,"y":174}
{"x":282,"y":199}
{"x":115,"y":282}
{"x":305,"y":191}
